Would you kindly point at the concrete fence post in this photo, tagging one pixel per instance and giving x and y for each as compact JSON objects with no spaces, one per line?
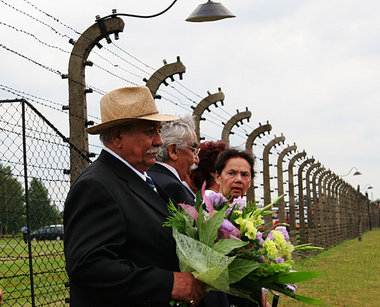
{"x":303,"y":200}
{"x":256,"y":133}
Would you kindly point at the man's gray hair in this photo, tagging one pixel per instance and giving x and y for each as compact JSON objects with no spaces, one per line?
{"x":105,"y":135}
{"x":180,"y":133}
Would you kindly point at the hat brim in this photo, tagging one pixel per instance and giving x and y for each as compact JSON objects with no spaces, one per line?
{"x":152,"y":117}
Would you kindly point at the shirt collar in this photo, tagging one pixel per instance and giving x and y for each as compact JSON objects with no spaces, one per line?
{"x":170,"y":168}
{"x":141,"y":175}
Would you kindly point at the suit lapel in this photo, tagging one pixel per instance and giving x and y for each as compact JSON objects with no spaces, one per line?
{"x":135,"y":183}
{"x":158,"y":168}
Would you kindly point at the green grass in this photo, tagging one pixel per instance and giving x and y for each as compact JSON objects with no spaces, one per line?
{"x":351,"y":274}
{"x":48,"y":267}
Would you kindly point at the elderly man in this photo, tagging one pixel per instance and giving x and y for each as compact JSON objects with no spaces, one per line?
{"x":178,"y":156}
{"x":117,"y":252}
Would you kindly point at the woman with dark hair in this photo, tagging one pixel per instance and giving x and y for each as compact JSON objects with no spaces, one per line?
{"x":208,"y":155}
{"x":234,"y":173}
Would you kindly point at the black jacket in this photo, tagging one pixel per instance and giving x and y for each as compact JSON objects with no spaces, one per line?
{"x":117,"y":251}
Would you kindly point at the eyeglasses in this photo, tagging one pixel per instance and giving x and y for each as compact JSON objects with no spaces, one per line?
{"x":194,"y":150}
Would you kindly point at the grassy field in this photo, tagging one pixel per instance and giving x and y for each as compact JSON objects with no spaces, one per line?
{"x":48,"y":268}
{"x":351,"y":274}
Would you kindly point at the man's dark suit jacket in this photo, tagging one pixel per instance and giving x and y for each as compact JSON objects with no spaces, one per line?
{"x":171,"y":184}
{"x":117,"y":251}
{"x":180,"y":194}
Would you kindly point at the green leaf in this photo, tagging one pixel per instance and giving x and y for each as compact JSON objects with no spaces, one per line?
{"x":248,"y":284}
{"x":200,"y":218}
{"x":208,"y":232}
{"x":308,"y":248}
{"x":265,"y":209}
{"x":308,"y":300}
{"x":240,"y":268}
{"x":189,"y":229}
{"x":198,"y":199}
{"x":291,"y":277}
{"x":286,"y":291}
{"x":225,"y":246}
{"x":294,"y":277}
{"x":264,"y":213}
{"x":176,"y":218}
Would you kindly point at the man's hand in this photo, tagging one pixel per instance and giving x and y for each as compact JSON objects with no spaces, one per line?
{"x":1,"y":296}
{"x":264,"y":301}
{"x":187,"y":288}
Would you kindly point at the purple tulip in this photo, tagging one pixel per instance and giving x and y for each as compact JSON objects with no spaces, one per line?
{"x":238,"y":203}
{"x":229,"y":231}
{"x":259,"y":236}
{"x":284,"y":232}
{"x":216,"y":199}
{"x":270,"y":236}
{"x":291,"y":287}
{"x":190,"y":210}
{"x":279,"y":260}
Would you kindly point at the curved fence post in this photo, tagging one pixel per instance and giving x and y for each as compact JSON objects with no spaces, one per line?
{"x":77,"y":91}
{"x":248,"y":146}
{"x":280,"y":181}
{"x":316,"y":204}
{"x":328,"y":214}
{"x":211,"y":99}
{"x":161,"y":74}
{"x":334,"y":223}
{"x":301,"y":198}
{"x":342,"y":211}
{"x":266,"y":176}
{"x":310,"y":213}
{"x":292,"y":205}
{"x":234,"y":121}
{"x":322,"y":186}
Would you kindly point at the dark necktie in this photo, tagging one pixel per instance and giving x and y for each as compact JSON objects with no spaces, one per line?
{"x":151,"y":184}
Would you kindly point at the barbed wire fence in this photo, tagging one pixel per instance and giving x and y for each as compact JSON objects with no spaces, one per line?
{"x":35,"y":164}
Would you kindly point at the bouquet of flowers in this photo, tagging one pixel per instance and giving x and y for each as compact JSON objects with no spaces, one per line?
{"x":225,"y":245}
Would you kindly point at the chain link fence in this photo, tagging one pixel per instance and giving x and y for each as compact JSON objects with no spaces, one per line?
{"x":34,"y":182}
{"x":35,"y":170}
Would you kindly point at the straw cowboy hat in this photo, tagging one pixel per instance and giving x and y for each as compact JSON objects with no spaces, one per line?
{"x":126,"y":104}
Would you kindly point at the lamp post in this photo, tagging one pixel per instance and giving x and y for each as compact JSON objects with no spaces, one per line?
{"x":209,"y":11}
{"x":103,"y":28}
{"x":366,"y":188}
{"x":357,"y":173}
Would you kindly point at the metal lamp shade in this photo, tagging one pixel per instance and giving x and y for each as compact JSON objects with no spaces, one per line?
{"x":209,"y":11}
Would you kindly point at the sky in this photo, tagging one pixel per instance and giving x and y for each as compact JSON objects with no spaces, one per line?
{"x":310,"y":68}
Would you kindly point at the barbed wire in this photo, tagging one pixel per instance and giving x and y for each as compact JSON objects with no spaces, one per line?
{"x":54,"y":18}
{"x":33,"y":36}
{"x":35,"y":19}
{"x":51,"y":69}
{"x":180,"y":102}
{"x":98,"y":66}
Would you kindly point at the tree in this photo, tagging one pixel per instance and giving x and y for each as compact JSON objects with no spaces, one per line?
{"x":42,"y":212}
{"x":12,"y":206}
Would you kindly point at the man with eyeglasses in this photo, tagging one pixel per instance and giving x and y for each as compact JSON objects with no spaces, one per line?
{"x":178,"y":156}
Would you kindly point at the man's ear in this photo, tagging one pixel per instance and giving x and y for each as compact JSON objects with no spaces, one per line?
{"x":116,"y":137}
{"x":173,"y":152}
